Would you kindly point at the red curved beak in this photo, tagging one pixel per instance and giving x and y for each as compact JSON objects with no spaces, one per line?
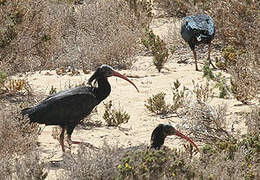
{"x":177,"y":133}
{"x":125,"y":78}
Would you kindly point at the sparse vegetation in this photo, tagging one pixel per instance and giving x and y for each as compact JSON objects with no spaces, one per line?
{"x":179,"y":96}
{"x":89,"y":164}
{"x":173,"y":8}
{"x":203,"y":93}
{"x":14,"y":86}
{"x":253,"y":120}
{"x":18,"y":135}
{"x":154,"y":44}
{"x":219,"y":80}
{"x":238,"y":26}
{"x":114,"y":117}
{"x":226,"y":159}
{"x":18,"y":156}
{"x":37,"y":35}
{"x":157,"y":105}
{"x":142,"y":10}
{"x":204,"y":122}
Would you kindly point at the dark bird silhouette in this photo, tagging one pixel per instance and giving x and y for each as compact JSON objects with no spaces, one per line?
{"x":162,"y":131}
{"x":196,"y":30}
{"x":67,"y":108}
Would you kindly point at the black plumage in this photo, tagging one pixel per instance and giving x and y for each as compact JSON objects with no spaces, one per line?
{"x":162,"y":131}
{"x":198,"y":29}
{"x":67,"y":108}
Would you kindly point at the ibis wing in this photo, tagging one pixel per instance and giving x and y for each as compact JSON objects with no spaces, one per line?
{"x":197,"y":29}
{"x":66,"y":107}
{"x":202,"y":23}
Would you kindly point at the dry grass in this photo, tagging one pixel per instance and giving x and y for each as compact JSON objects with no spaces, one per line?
{"x":34,"y":35}
{"x":18,"y":135}
{"x":27,"y":166}
{"x":108,"y":34}
{"x":27,"y":36}
{"x":18,"y":155}
{"x":205,"y":123}
{"x":237,"y":26}
{"x":90,"y":164}
{"x":253,"y":120}
{"x":231,"y":159}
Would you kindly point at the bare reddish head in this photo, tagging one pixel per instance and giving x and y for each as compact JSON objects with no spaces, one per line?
{"x":107,"y":71}
{"x":164,"y":130}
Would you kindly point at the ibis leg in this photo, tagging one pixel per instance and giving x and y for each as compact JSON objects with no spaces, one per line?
{"x":62,"y":139}
{"x":210,"y":62}
{"x":70,"y":129}
{"x":70,"y":142}
{"x":195,"y":58}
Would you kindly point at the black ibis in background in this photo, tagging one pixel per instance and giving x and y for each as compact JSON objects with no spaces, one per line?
{"x":162,"y":131}
{"x":67,"y":108}
{"x":198,"y":29}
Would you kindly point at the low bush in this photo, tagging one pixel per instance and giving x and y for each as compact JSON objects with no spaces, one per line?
{"x":231,"y":158}
{"x":205,"y":123}
{"x":179,"y":96}
{"x":109,"y":33}
{"x":36,"y":35}
{"x":253,"y":120}
{"x":157,"y":105}
{"x":89,"y":164}
{"x":203,"y":93}
{"x":114,"y":117}
{"x":237,"y":26}
{"x":18,"y":155}
{"x":18,"y":135}
{"x":27,"y":39}
{"x":154,"y":164}
{"x":219,"y":80}
{"x":27,"y":166}
{"x":157,"y":47}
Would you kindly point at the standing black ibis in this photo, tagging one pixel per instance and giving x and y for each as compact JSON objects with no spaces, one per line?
{"x":198,"y":29}
{"x":67,"y":108}
{"x":162,"y":131}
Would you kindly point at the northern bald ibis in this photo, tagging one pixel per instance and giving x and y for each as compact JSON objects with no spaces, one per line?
{"x":162,"y":131}
{"x":198,"y":29}
{"x":67,"y":108}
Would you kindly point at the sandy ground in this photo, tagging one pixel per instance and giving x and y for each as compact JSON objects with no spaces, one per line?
{"x":141,"y":123}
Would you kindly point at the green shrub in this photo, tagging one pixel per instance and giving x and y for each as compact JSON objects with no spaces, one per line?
{"x":114,"y":117}
{"x":157,"y":105}
{"x":3,"y":77}
{"x":157,"y":47}
{"x":179,"y":96}
{"x":152,"y":164}
{"x":203,"y":93}
{"x":219,"y":80}
{"x":207,"y":71}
